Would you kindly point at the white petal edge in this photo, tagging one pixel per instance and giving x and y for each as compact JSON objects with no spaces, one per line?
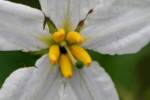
{"x":78,"y":9}
{"x":120,"y":28}
{"x":21,"y":25}
{"x":94,"y":83}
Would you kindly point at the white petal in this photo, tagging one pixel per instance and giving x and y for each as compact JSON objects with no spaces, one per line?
{"x":5,"y":45}
{"x":120,"y":28}
{"x":66,"y":92}
{"x":56,"y":9}
{"x":14,"y":84}
{"x":60,"y":90}
{"x":42,"y":80}
{"x":30,"y":84}
{"x":45,"y":82}
{"x":41,"y":83}
{"x":94,"y":84}
{"x":21,"y":25}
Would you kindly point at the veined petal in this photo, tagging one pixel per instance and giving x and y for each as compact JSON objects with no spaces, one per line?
{"x":123,"y":27}
{"x":76,"y":9}
{"x":93,"y":83}
{"x":21,"y":25}
{"x":60,"y":90}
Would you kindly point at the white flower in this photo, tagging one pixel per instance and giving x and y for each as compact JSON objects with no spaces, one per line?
{"x":109,"y":26}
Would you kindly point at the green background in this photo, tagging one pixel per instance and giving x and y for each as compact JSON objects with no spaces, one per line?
{"x":130,"y":73}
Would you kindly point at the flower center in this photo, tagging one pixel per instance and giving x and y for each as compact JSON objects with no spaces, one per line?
{"x":67,"y":51}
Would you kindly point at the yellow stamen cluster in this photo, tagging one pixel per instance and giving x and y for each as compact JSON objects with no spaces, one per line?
{"x":67,"y":51}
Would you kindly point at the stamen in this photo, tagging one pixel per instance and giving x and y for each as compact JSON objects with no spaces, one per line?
{"x":59,"y":35}
{"x":54,"y":54}
{"x":81,"y":54}
{"x":66,"y":66}
{"x":74,"y":37}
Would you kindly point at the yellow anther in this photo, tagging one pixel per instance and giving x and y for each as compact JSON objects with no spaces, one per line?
{"x":54,"y":54}
{"x":81,"y":54}
{"x":66,"y":66}
{"x":59,"y":35}
{"x":75,"y":37}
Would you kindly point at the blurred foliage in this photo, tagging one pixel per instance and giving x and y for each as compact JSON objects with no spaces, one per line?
{"x":131,"y":73}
